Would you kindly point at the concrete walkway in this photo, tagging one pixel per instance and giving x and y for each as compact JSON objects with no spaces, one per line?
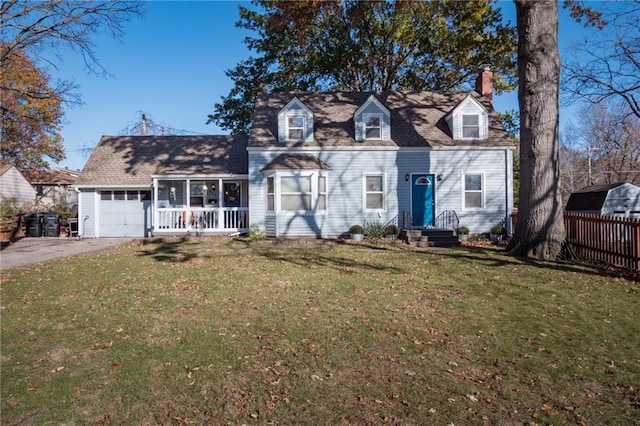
{"x":28,"y":251}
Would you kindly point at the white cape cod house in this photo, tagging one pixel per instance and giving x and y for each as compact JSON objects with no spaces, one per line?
{"x":313,"y":165}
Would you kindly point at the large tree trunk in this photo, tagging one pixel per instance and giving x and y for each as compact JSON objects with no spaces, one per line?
{"x":540,"y":230}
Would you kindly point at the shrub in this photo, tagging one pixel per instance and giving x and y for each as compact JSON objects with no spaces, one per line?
{"x":374,"y":230}
{"x":498,"y":229}
{"x":9,"y":207}
{"x":255,"y":233}
{"x":392,"y":230}
{"x":462,"y":230}
{"x":356,"y":229}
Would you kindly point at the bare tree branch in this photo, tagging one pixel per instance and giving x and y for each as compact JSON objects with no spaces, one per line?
{"x":607,"y":66}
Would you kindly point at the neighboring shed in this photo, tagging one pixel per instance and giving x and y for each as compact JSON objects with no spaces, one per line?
{"x":14,"y":185}
{"x":618,"y":199}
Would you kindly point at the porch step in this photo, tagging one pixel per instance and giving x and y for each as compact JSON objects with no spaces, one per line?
{"x":441,"y":237}
{"x":431,"y":237}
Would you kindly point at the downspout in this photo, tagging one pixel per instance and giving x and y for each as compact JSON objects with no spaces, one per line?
{"x":80,"y":230}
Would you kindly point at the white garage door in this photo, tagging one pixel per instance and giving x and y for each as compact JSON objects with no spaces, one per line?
{"x":125,"y":213}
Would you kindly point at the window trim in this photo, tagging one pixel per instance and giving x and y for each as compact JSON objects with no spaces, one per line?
{"x":324,"y":194}
{"x":289,"y":128}
{"x":482,"y":191}
{"x":383,"y":191}
{"x":475,"y":126}
{"x":365,"y":116}
{"x":270,"y":194}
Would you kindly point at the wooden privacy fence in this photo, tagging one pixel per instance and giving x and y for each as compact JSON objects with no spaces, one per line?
{"x":10,"y":227}
{"x":607,"y":239}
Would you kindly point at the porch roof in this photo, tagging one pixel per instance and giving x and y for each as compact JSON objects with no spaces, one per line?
{"x":133,"y":160}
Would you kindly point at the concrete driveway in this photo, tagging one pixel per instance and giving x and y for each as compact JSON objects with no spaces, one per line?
{"x":28,"y":251}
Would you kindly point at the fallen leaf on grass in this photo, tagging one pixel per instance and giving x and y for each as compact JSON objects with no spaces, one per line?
{"x":472,"y":398}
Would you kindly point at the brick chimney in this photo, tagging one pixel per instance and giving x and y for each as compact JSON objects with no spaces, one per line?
{"x":484,"y":82}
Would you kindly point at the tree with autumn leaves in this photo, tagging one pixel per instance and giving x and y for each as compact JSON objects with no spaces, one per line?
{"x":31,"y":115}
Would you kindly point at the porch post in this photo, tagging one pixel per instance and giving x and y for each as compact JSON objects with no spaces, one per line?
{"x":154,"y":207}
{"x":219,"y":219}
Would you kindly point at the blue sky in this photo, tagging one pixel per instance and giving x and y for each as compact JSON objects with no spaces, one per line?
{"x":171,"y":66}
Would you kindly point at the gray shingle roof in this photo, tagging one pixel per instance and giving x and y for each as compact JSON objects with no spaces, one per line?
{"x":296,"y":161}
{"x":132,"y":160}
{"x":417,"y":119}
{"x":56,"y":176}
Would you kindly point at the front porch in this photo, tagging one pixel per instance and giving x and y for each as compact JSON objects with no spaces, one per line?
{"x":201,"y":205}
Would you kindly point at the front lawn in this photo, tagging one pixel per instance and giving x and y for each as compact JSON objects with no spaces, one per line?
{"x":221,"y":332}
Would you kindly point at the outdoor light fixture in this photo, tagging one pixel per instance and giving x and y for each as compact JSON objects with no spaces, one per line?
{"x":439,"y":177}
{"x":406,"y":177}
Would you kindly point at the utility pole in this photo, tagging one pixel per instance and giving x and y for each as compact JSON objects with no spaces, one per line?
{"x":589,"y":150}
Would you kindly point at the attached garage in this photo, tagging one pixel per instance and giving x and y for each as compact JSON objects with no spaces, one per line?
{"x":124,"y":213}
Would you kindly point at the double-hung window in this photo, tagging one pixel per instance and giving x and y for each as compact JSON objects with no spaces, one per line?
{"x":374,"y":192}
{"x":473,"y":191}
{"x":372,"y":126}
{"x":271,"y":194}
{"x":295,"y":193}
{"x":322,"y":193}
{"x":295,"y":127}
{"x":470,"y":126}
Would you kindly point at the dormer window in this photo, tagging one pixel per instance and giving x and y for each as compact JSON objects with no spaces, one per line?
{"x":295,"y":127}
{"x":470,"y":126}
{"x":372,"y":121}
{"x":295,"y":122}
{"x":372,"y":125}
{"x":469,"y":120}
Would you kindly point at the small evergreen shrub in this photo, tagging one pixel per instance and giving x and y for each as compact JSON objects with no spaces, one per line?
{"x":392,"y":230}
{"x":356,"y":229}
{"x":462,"y":230}
{"x":374,"y":230}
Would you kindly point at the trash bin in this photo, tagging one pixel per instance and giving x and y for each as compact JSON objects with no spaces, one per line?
{"x":51,"y":224}
{"x":33,"y":223}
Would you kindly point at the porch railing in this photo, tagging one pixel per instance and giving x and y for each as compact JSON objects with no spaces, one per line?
{"x":223,"y":219}
{"x":448,"y":219}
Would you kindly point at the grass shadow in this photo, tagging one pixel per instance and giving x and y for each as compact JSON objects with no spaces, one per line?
{"x":318,"y":258}
{"x":172,"y":251}
{"x":498,"y":256}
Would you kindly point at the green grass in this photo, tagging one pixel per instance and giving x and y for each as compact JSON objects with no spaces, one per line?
{"x":220,"y":332}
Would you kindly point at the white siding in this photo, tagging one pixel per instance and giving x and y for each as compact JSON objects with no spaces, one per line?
{"x":87,"y":208}
{"x":14,"y":185}
{"x":624,"y":198}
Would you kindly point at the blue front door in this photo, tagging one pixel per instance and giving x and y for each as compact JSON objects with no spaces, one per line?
{"x":422,"y":200}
